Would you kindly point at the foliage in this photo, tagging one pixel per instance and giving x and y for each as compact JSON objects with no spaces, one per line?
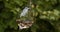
{"x":45,"y":12}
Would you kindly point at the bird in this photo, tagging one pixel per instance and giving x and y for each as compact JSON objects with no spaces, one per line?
{"x":24,"y":11}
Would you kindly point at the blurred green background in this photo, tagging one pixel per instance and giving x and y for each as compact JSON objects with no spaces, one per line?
{"x":46,"y":14}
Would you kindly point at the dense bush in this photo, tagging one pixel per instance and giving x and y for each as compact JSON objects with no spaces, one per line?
{"x":46,"y":14}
